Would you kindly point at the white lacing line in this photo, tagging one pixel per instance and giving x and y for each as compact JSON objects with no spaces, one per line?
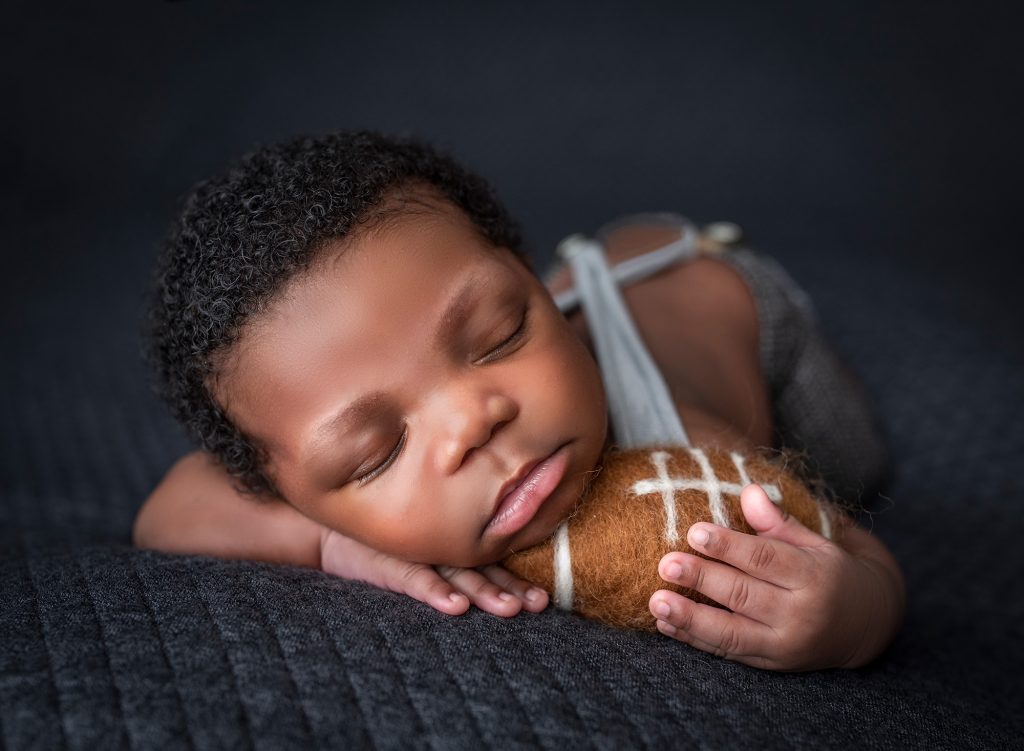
{"x":563,"y":568}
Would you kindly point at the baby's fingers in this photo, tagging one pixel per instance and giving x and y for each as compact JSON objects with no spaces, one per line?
{"x":533,"y":598}
{"x":774,"y":561}
{"x":741,"y":593}
{"x":481,"y":591}
{"x":344,"y":557}
{"x":713,"y":630}
{"x":422,"y":583}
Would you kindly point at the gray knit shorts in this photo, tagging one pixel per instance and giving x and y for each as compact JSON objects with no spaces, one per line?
{"x":818,"y":406}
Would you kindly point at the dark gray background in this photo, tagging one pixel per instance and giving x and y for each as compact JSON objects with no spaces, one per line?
{"x":883,"y":129}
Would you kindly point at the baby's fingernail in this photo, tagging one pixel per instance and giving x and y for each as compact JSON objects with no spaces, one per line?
{"x":533,"y":594}
{"x":673,"y":571}
{"x":455,"y":597}
{"x":661,"y":609}
{"x":699,"y":536}
{"x":506,"y":596}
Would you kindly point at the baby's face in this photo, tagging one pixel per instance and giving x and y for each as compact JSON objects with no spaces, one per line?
{"x":420,"y":392}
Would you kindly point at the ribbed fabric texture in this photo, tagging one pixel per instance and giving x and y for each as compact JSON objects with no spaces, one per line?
{"x":104,"y":647}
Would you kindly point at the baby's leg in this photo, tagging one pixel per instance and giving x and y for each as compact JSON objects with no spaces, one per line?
{"x":818,"y":406}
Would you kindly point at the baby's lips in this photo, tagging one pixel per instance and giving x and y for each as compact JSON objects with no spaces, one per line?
{"x":521,"y":503}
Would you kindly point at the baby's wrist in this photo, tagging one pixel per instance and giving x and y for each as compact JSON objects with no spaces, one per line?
{"x":884,"y":605}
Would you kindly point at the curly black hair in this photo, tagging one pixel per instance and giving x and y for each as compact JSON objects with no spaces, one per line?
{"x":244,"y":233}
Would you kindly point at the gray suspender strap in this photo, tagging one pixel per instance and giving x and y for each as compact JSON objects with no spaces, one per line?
{"x":642,"y":266}
{"x":641,"y":408}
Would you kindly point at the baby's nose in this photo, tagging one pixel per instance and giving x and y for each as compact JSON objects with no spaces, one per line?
{"x":471,"y":425}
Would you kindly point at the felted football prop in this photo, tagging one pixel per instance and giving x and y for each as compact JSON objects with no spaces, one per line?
{"x":603,"y":561}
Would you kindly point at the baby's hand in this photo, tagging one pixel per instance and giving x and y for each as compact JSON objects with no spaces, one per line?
{"x":446,"y":588}
{"x":798,"y":601}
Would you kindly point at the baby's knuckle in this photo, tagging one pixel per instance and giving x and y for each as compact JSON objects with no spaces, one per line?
{"x":683,"y":616}
{"x":739,"y":595}
{"x":718,"y":543}
{"x":410,"y":579}
{"x":729,"y":642}
{"x":482,"y":588}
{"x":696,"y":574}
{"x":762,"y":557}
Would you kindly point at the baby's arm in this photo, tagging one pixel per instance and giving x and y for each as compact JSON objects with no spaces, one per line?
{"x":196,"y":510}
{"x":797,"y":600}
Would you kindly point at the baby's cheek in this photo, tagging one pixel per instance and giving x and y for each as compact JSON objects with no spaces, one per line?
{"x":421,"y":524}
{"x":576,"y":381}
{"x":368,"y":517}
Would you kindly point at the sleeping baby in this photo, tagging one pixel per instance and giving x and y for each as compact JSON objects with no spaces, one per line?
{"x":382,"y":388}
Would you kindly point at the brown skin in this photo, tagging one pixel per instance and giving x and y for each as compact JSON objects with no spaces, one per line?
{"x":506,"y":386}
{"x":480,"y":404}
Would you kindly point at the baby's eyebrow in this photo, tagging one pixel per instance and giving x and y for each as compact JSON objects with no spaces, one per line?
{"x":360,"y":410}
{"x":459,"y":307}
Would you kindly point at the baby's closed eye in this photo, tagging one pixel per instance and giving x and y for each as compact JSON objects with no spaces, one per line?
{"x":506,"y":345}
{"x":381,"y":467}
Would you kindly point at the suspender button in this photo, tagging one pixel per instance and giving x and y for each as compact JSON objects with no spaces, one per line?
{"x":723,"y":234}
